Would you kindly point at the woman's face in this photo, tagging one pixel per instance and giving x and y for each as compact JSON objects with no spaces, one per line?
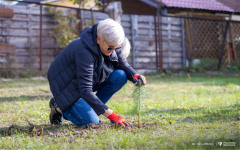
{"x":106,"y":48}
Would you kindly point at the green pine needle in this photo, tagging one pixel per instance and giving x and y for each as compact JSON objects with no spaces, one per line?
{"x":139,"y":95}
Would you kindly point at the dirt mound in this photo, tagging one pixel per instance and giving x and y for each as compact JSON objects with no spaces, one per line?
{"x":66,"y":130}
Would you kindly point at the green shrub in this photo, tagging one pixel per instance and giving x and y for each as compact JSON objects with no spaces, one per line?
{"x":206,"y":64}
{"x":66,"y":28}
{"x":234,"y":66}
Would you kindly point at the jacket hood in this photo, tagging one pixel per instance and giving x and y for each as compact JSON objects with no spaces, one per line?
{"x":89,"y":38}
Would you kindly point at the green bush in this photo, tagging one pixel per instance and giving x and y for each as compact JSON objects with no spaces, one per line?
{"x":235,"y":66}
{"x":66,"y":28}
{"x":206,"y":64}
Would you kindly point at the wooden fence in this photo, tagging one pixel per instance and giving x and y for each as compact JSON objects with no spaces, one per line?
{"x":22,"y":32}
{"x":172,"y":43}
{"x":141,"y":30}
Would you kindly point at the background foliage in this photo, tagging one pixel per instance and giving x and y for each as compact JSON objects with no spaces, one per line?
{"x":66,"y":29}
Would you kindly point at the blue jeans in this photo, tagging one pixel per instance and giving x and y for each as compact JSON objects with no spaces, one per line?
{"x":81,"y":113}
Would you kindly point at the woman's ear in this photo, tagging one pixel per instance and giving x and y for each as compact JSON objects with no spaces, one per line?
{"x":98,"y":39}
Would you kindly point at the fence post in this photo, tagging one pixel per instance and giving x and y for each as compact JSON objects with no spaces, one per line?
{"x":156,"y":39}
{"x":40,"y":44}
{"x":223,"y":45}
{"x":79,"y":16}
{"x":160,"y":39}
{"x":183,"y":42}
{"x":133,"y":41}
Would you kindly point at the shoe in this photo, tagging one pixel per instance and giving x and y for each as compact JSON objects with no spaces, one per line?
{"x":56,"y":118}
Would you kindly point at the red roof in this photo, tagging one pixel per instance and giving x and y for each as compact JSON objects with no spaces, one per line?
{"x":213,"y":5}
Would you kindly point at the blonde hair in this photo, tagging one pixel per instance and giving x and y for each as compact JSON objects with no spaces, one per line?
{"x":111,"y":32}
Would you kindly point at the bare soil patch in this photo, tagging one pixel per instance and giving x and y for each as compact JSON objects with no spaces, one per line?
{"x":67,"y":130}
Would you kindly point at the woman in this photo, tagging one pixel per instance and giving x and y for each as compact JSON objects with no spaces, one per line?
{"x":91,"y":63}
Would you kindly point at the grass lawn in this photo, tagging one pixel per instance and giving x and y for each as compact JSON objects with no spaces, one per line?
{"x":179,"y":112}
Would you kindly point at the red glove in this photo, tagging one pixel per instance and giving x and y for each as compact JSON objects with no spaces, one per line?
{"x":140,"y":78}
{"x":118,"y":120}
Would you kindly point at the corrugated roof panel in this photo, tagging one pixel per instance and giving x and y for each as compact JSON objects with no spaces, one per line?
{"x":214,"y":5}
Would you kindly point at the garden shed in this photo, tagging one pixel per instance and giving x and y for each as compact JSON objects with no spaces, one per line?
{"x":209,"y":29}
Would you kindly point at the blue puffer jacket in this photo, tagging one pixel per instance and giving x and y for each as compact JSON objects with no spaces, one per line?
{"x":80,"y":68}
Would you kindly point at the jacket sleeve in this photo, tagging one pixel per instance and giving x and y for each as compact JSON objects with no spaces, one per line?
{"x":123,"y":64}
{"x":85,"y":69}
